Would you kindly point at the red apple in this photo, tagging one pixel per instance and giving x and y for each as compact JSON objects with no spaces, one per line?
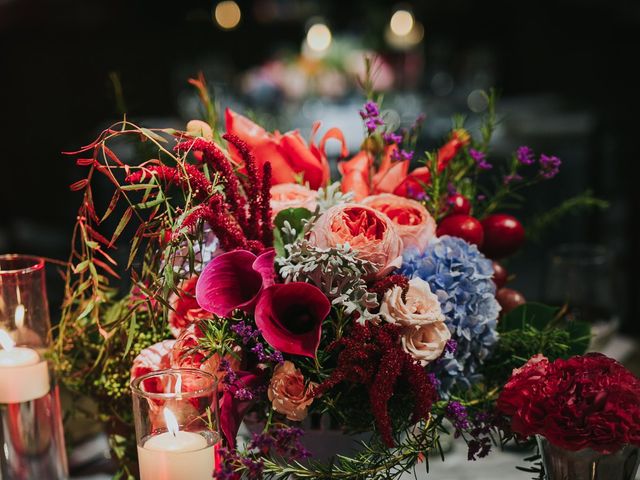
{"x":463,"y":226}
{"x":459,"y":204}
{"x":509,"y":299}
{"x":500,"y":275}
{"x":503,"y":235}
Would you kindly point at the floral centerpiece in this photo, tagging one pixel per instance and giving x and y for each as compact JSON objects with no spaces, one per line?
{"x":372,"y":300}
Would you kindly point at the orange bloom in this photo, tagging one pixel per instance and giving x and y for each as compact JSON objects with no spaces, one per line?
{"x":289,"y":154}
{"x":357,"y":175}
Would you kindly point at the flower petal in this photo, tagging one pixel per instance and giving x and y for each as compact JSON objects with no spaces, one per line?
{"x":290,"y":317}
{"x":229,"y":282}
{"x":264,"y":265}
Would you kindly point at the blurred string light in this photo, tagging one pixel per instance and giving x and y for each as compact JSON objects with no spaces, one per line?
{"x":403,"y":31}
{"x":318,"y":40}
{"x":227,"y":14}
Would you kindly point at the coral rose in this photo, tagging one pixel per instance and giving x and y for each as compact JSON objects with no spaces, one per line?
{"x":413,"y":222}
{"x":288,"y":393}
{"x":370,"y":233}
{"x":186,"y":309}
{"x":292,"y":195}
{"x":425,"y":343}
{"x":420,"y":307}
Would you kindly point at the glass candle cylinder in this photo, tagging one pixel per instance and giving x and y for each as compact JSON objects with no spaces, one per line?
{"x":176,"y":419}
{"x":31,"y":435}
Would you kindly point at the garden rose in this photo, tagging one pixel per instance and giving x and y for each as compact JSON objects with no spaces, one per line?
{"x":413,"y":222}
{"x":186,"y":309}
{"x":292,"y":195}
{"x":425,"y":343}
{"x":419,"y":307}
{"x":151,"y":359}
{"x":370,"y":233}
{"x":288,"y":393}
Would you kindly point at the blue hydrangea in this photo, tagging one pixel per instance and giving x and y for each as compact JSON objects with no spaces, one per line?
{"x":461,"y":278}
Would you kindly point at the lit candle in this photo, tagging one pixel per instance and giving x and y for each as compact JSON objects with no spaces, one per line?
{"x":24,"y":376}
{"x":176,"y":454}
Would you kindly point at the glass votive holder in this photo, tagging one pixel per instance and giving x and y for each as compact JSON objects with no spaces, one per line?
{"x":176,"y":419}
{"x":31,"y":435}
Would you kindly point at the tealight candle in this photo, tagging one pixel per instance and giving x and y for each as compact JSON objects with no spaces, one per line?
{"x":24,"y":376}
{"x":176,"y":454}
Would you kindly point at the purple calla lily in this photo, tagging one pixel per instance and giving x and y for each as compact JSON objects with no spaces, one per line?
{"x":234,"y":280}
{"x":290,"y":317}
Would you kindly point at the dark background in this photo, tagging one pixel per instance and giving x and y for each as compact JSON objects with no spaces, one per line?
{"x":566,"y":71}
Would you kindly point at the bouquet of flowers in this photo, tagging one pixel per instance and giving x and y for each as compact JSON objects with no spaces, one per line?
{"x":582,"y":402}
{"x":371,"y":300}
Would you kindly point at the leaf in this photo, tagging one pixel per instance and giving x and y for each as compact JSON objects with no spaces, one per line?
{"x":278,"y":243}
{"x":112,"y":205}
{"x":121,"y":225}
{"x":79,"y":185}
{"x":294,"y":216}
{"x":531,"y":314}
{"x":153,"y":135}
{"x":160,"y":198}
{"x":580,"y":337}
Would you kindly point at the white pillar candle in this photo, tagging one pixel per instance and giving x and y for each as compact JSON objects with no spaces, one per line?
{"x":24,"y":376}
{"x":176,"y":454}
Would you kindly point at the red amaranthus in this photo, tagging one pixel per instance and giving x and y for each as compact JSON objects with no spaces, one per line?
{"x":372,"y":356}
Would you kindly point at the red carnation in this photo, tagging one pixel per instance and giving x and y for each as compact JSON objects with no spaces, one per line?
{"x":588,"y":401}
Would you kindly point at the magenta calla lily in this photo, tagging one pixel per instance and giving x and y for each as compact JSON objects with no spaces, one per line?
{"x":290,"y":317}
{"x":233,"y":410}
{"x":234,"y":280}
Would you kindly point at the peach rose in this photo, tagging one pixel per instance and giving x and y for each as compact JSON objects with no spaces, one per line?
{"x":413,"y":222}
{"x":371,"y":234}
{"x":288,"y":393}
{"x":292,"y":195}
{"x":426,"y":342}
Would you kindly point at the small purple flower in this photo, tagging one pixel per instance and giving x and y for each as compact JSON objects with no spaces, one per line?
{"x":390,"y":138}
{"x":371,"y":116}
{"x":451,"y":346}
{"x":399,"y":155}
{"x":243,"y":394}
{"x":480,"y":158}
{"x":457,"y":413}
{"x":433,"y":379}
{"x":508,"y":179}
{"x":254,"y":468}
{"x":246,"y":332}
{"x":481,"y":198}
{"x":230,"y":375}
{"x":525,"y":155}
{"x":451,"y":189}
{"x":549,"y":166}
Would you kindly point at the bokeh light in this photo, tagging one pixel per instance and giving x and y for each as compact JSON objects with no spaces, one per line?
{"x":227,"y":14}
{"x":319,"y":37}
{"x":401,"y":22}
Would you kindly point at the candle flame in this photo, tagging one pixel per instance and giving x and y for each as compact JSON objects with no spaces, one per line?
{"x":19,"y":316}
{"x":171,"y":421}
{"x":6,"y":341}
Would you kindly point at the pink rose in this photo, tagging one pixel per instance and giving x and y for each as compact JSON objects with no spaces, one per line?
{"x":151,"y":359}
{"x":420,"y":307}
{"x":371,"y":234}
{"x":288,"y":393}
{"x":425,"y":343}
{"x":292,"y":195}
{"x":413,"y":222}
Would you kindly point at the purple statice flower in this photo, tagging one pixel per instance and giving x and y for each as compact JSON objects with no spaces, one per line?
{"x":287,"y":442}
{"x":253,"y":467}
{"x":478,"y":448}
{"x":457,"y":413}
{"x":243,"y":394}
{"x":525,"y":155}
{"x":451,"y":190}
{"x":434,"y":380}
{"x":246,"y":332}
{"x":262,"y":442}
{"x":230,"y":376}
{"x":508,"y":179}
{"x":399,"y":155}
{"x":480,"y":158}
{"x":451,"y":346}
{"x":549,"y":166}
{"x":226,"y":467}
{"x":371,"y":116}
{"x":391,"y":138}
